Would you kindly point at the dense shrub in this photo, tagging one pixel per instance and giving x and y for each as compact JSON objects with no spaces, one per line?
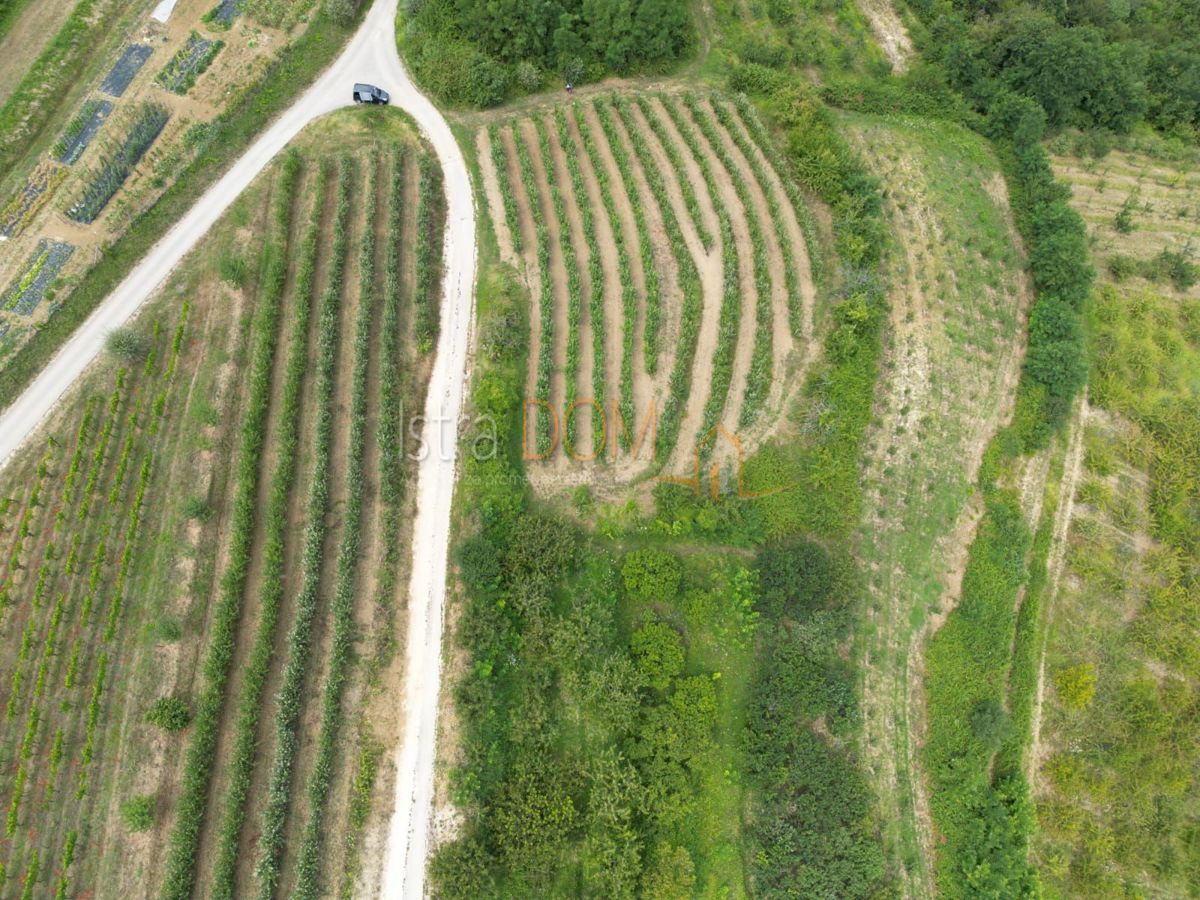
{"x":138,"y":813}
{"x":466,"y":54}
{"x":658,"y":650}
{"x":169,"y":713}
{"x":127,"y":344}
{"x":651,"y":575}
{"x":795,"y":576}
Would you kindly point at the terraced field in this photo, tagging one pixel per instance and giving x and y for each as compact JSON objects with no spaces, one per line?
{"x":202,"y":556}
{"x":957,"y":298}
{"x":670,"y":282}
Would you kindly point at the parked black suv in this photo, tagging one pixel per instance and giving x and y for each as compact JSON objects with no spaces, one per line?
{"x":368,"y":93}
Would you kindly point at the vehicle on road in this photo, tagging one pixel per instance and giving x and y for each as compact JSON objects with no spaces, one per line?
{"x":368,"y":93}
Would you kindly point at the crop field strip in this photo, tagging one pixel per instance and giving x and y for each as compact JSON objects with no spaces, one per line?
{"x":75,"y":622}
{"x":76,"y":553}
{"x":638,"y":267}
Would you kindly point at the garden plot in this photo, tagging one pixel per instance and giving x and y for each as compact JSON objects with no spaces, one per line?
{"x":83,"y":128}
{"x":126,"y":69}
{"x":24,"y":294}
{"x":222,"y":15}
{"x":40,"y":187}
{"x":111,"y":174}
{"x":193,"y":58}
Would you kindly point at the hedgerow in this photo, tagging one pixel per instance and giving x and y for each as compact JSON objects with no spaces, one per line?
{"x":341,"y":652}
{"x":595,"y":281}
{"x":277,"y":526}
{"x":299,"y":639}
{"x":758,"y":377}
{"x":199,"y":761}
{"x":819,"y":474}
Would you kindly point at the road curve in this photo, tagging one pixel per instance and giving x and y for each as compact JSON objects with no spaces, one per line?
{"x":369,"y":56}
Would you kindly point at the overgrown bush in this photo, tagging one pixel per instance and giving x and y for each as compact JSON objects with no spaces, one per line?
{"x":138,"y":813}
{"x":169,"y":713}
{"x":127,"y":344}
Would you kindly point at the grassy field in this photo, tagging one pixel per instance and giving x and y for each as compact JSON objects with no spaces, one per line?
{"x":201,"y":555}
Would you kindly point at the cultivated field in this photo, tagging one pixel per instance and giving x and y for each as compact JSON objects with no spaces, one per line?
{"x":203,"y":554}
{"x":668,"y":268}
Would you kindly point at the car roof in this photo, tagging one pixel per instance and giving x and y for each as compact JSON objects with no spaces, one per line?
{"x":364,"y":87}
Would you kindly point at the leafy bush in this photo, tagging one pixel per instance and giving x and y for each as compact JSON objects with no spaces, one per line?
{"x":127,"y":344}
{"x":138,"y":813}
{"x":463,"y":53}
{"x":795,"y":576}
{"x":169,"y":713}
{"x":651,"y":576}
{"x":658,"y":650}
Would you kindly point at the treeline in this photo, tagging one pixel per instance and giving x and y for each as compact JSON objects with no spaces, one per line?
{"x":1090,"y":65}
{"x":477,"y":54}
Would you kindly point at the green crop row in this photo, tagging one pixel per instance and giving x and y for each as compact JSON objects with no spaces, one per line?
{"x":199,"y":762}
{"x":107,"y":179}
{"x":760,"y":166}
{"x":429,"y":249}
{"x":241,"y":765}
{"x":729,"y":320}
{"x":758,"y":378}
{"x":68,"y":857}
{"x":689,"y":277}
{"x":391,"y":394}
{"x":299,"y":638}
{"x":595,"y":280}
{"x":799,"y":203}
{"x":391,"y":490}
{"x":25,"y":525}
{"x":189,"y":63}
{"x":93,"y":719}
{"x":574,"y":282}
{"x":341,"y":652}
{"x":545,"y":358}
{"x":690,"y":198}
{"x":650,"y":336}
{"x":628,"y":293}
{"x":500,"y":164}
{"x":97,"y":466}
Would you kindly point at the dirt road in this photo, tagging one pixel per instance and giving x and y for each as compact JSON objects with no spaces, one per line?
{"x":370,"y":56}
